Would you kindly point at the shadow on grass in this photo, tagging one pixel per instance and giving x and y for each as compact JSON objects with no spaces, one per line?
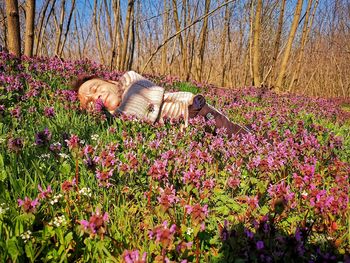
{"x":269,"y":244}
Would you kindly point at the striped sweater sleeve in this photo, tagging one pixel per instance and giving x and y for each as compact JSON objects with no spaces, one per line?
{"x":141,"y":98}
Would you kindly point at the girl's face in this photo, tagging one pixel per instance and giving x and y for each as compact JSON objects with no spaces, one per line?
{"x":109,"y":92}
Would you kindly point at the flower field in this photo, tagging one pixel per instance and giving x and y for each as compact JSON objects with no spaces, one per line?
{"x":78,"y":187}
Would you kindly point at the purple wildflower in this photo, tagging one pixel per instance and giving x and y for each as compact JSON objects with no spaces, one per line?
{"x":167,"y":197}
{"x":249,"y":233}
{"x":28,"y":205}
{"x":99,"y":105}
{"x":158,"y":170}
{"x":15,"y":144}
{"x":198,"y":213}
{"x":42,"y":137}
{"x":259,"y":245}
{"x":16,"y":112}
{"x":134,"y":256}
{"x":163,"y":234}
{"x":68,"y":185}
{"x":49,"y":112}
{"x":97,"y":223}
{"x":44,"y":194}
{"x":55,"y":147}
{"x":103,"y":177}
{"x":73,"y":142}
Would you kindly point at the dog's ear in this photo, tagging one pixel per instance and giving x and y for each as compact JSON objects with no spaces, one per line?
{"x":75,"y":84}
{"x":198,"y":102}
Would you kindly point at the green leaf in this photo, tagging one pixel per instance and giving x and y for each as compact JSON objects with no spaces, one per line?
{"x":65,"y":168}
{"x":264,"y":210}
{"x":29,"y":250}
{"x":23,"y":221}
{"x":224,"y":210}
{"x":3,"y":174}
{"x":68,"y":238}
{"x":13,"y":249}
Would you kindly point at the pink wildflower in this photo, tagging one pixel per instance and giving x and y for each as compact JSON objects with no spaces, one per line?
{"x":134,"y":256}
{"x":197,"y":212}
{"x":73,"y":142}
{"x":28,"y":206}
{"x":44,"y":194}
{"x":163,"y":234}
{"x":96,"y":223}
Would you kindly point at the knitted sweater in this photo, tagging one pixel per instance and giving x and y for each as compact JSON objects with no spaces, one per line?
{"x":146,"y":100}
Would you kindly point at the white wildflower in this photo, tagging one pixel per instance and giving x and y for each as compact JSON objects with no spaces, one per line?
{"x":85,"y":191}
{"x":189,"y":231}
{"x":63,"y":155}
{"x":44,"y":156}
{"x":94,"y":137}
{"x":58,"y":221}
{"x":55,"y":199}
{"x":26,"y":236}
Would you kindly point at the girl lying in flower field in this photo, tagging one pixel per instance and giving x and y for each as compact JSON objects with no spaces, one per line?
{"x":77,"y":188}
{"x":135,"y":95}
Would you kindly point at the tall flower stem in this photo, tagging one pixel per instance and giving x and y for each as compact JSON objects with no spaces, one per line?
{"x":197,"y":249}
{"x":77,"y":173}
{"x":149,"y":193}
{"x":163,"y":254}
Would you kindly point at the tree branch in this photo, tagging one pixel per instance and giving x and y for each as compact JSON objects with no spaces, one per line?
{"x":182,"y":30}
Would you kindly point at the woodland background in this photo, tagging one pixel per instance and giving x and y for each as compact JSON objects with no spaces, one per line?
{"x":299,"y":46}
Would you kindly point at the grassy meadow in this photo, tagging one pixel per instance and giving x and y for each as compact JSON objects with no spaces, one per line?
{"x":78,"y":187}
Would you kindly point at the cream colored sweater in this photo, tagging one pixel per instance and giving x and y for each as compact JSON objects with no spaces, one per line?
{"x":146,"y":100}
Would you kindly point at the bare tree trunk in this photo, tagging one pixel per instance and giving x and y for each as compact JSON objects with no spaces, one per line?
{"x":189,"y":36}
{"x":41,"y":23}
{"x":178,"y":28}
{"x":109,"y":21}
{"x":67,"y":28}
{"x":305,"y":34}
{"x":277,"y":43}
{"x":291,"y":36}
{"x":132,"y":45}
{"x":224,"y":37}
{"x":116,"y":31}
{"x":187,"y":40}
{"x":60,"y":28}
{"x":138,"y":38}
{"x":123,"y":57}
{"x":97,"y":33}
{"x":42,"y":27}
{"x":3,"y":25}
{"x":87,"y":37}
{"x":202,"y":42}
{"x":78,"y":35}
{"x":191,"y":40}
{"x":119,"y":36}
{"x":165,"y":36}
{"x":29,"y":36}
{"x":172,"y":58}
{"x":256,"y":44}
{"x":14,"y":36}
{"x":251,"y":41}
{"x":52,"y":12}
